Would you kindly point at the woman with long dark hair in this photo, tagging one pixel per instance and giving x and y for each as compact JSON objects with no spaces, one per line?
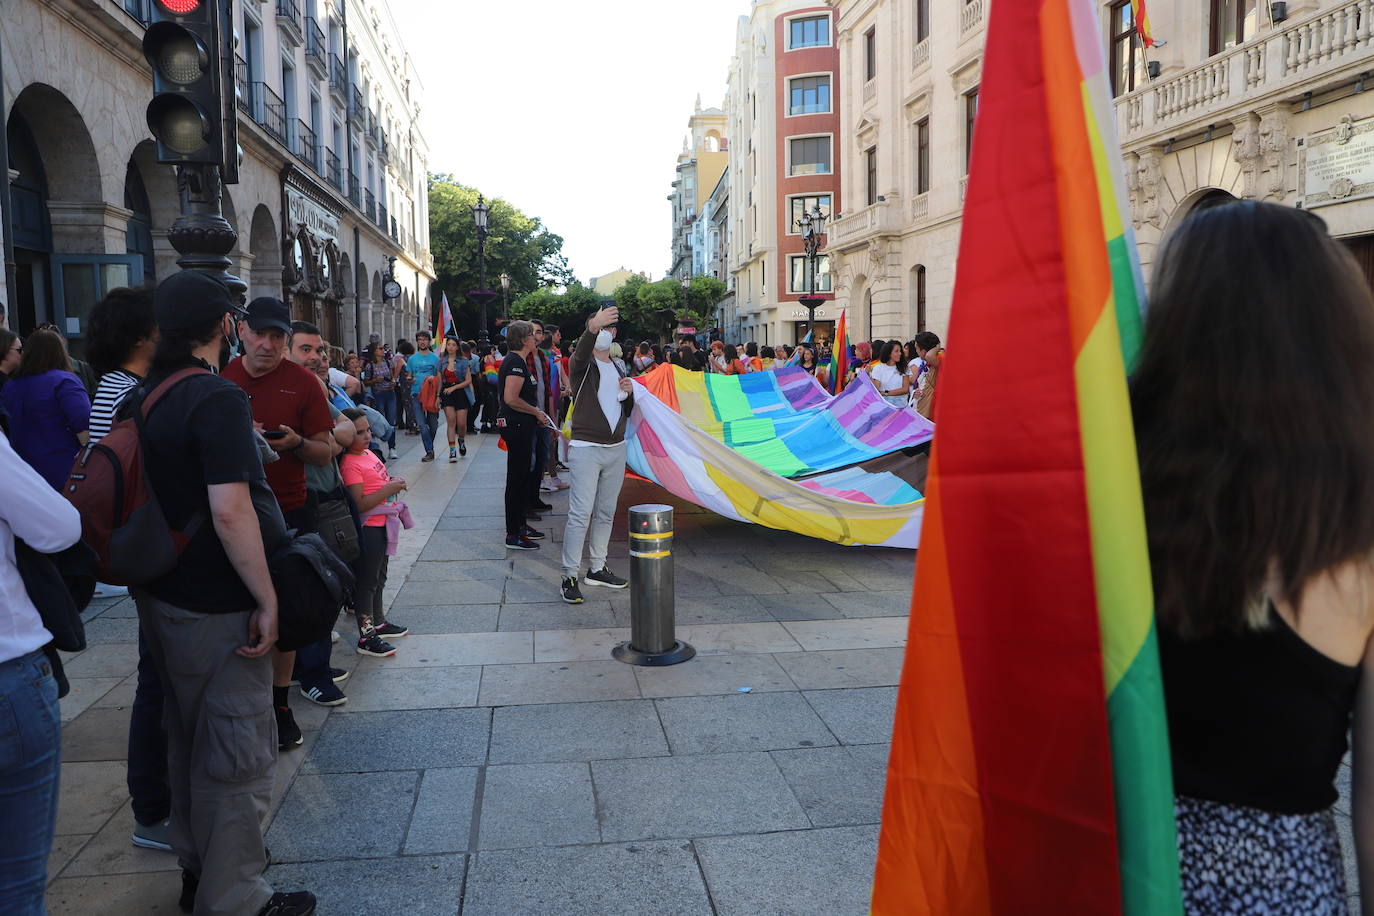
{"x":455,"y":379}
{"x":49,"y":408}
{"x":379,"y":378}
{"x":889,"y":375}
{"x":1259,"y":504}
{"x":11,"y":352}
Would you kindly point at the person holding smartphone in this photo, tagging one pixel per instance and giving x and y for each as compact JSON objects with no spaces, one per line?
{"x":520,"y":420}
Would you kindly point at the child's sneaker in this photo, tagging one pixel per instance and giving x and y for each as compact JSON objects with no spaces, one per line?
{"x":389,"y":630}
{"x":376,"y":647}
{"x":452,"y":455}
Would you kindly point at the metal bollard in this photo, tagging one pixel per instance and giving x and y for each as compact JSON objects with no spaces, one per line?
{"x":652,"y":642}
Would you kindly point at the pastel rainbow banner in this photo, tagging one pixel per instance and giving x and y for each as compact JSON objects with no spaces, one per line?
{"x":1030,"y":767}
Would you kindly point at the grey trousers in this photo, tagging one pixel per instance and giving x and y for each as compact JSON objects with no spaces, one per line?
{"x":221,"y":745}
{"x":595,"y":478}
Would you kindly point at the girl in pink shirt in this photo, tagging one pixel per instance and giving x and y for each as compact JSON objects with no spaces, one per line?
{"x":369,"y":484}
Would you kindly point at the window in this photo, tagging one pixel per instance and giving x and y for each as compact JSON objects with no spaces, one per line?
{"x":1233,"y":21}
{"x":922,"y":20}
{"x":871,"y":170}
{"x":808,"y":156}
{"x":810,"y":32}
{"x":970,"y":116}
{"x":923,"y":155}
{"x":918,"y":293}
{"x":870,"y":53}
{"x":809,"y":95}
{"x":1128,"y":59}
{"x":804,"y":204}
{"x":800,"y":266}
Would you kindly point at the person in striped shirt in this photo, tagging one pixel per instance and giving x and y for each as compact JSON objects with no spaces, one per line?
{"x":120,"y":341}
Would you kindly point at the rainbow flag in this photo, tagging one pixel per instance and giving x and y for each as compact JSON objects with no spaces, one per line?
{"x":839,"y":355}
{"x":445,"y":322}
{"x":1030,"y":768}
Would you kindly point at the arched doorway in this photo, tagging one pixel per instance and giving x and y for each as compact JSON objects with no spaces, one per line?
{"x":266,"y":279}
{"x":62,"y":266}
{"x":139,"y":232}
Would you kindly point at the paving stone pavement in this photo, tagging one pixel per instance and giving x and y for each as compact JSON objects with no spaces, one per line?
{"x":503,"y":763}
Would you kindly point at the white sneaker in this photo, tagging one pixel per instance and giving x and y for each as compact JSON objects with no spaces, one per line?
{"x":546,"y":485}
{"x":557,"y":484}
{"x":110,"y":591}
{"x":333,"y":636}
{"x":392,"y":456}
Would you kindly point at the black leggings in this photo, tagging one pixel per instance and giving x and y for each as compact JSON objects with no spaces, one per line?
{"x":519,"y":441}
{"x":371,"y":579}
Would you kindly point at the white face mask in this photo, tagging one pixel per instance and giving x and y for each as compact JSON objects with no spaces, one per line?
{"x":603,"y":339}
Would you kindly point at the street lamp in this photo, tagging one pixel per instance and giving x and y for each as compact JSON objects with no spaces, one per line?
{"x":505,"y":297}
{"x":812,"y":225}
{"x":481,"y":296}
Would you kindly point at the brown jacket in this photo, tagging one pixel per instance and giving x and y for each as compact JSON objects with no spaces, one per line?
{"x":588,"y":419}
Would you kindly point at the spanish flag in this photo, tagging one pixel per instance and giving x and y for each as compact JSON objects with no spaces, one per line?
{"x":1142,"y":23}
{"x":1030,"y":768}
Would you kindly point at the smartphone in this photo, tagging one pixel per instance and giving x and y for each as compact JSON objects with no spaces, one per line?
{"x":274,"y":434}
{"x":609,"y":304}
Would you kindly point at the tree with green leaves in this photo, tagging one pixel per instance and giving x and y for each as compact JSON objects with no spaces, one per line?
{"x":517,"y":244}
{"x":663,"y":306}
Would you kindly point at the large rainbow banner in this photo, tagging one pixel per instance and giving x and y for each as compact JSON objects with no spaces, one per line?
{"x":774,"y":448}
{"x":1030,"y":766}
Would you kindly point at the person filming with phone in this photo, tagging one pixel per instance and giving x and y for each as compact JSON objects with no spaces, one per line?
{"x":519,"y":421}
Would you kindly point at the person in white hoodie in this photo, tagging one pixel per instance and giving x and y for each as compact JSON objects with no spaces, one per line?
{"x":30,"y":727}
{"x":602,"y":400}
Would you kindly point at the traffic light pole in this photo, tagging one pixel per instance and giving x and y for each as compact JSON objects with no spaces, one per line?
{"x":201,"y":234}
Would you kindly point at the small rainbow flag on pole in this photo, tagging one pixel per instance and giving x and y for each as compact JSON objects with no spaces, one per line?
{"x":839,"y":355}
{"x":1030,"y":768}
{"x":445,"y":322}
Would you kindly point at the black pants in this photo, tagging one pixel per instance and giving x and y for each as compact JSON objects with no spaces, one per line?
{"x":520,"y":477}
{"x":147,"y":776}
{"x":541,"y":462}
{"x":371,"y":572}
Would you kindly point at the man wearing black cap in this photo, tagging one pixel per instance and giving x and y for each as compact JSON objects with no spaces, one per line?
{"x":211,"y":622}
{"x":289,"y":409}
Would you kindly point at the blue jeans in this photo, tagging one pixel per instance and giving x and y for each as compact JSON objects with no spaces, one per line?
{"x":429,"y":423}
{"x":147,"y":777}
{"x":386,"y":406}
{"x":30,"y":760}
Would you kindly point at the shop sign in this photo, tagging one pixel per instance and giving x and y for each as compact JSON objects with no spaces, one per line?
{"x":801,"y":313}
{"x":1336,"y":165}
{"x":321,"y":223}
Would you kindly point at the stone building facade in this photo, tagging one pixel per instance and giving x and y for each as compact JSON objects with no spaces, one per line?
{"x":332,"y":184}
{"x":699,"y":166}
{"x":1242,"y":107}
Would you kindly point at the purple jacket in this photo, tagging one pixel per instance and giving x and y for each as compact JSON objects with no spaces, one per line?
{"x":47,"y":411}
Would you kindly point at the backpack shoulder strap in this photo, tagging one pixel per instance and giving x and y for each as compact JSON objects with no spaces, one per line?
{"x":151,"y":399}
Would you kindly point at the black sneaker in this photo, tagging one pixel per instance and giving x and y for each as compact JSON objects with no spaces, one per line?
{"x":296,"y":903}
{"x":534,"y":534}
{"x":288,"y":732}
{"x":338,"y":675}
{"x":462,"y":448}
{"x":390,"y":631}
{"x":326,"y":694}
{"x":571,"y":593}
{"x":520,"y":542}
{"x":376,"y":647}
{"x":605,"y":577}
{"x":541,"y":506}
{"x":190,"y":883}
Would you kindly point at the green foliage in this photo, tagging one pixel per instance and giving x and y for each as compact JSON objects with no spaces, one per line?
{"x":662,"y":307}
{"x":516,"y":244}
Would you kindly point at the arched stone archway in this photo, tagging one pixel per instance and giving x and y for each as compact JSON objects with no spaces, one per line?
{"x":263,"y":243}
{"x":159,"y":184}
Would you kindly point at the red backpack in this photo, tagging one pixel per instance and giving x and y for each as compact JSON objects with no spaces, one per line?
{"x":121,"y":519}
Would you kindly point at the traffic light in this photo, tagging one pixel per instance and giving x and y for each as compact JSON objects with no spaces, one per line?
{"x":188,"y":115}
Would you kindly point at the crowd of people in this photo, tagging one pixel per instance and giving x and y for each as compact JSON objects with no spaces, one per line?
{"x":1256,"y":490}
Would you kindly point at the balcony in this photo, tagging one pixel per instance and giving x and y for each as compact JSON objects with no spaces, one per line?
{"x":383,"y":148}
{"x":270,"y":111}
{"x":870,"y":90}
{"x":333,"y":171}
{"x":358,"y":110}
{"x":369,"y":205}
{"x":307,"y":146}
{"x":381,"y":216}
{"x":920,"y":54}
{"x":858,"y":227}
{"x":316,"y":49}
{"x":395,"y":232}
{"x":920,"y":207}
{"x":971,"y":17}
{"x":1332,"y":43}
{"x":372,"y":131}
{"x":289,"y":22}
{"x":338,"y":78}
{"x":354,"y":189}
{"x":243,"y":88}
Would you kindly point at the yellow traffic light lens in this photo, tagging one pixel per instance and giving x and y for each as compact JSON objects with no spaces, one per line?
{"x":178,"y":124}
{"x":181,"y":60}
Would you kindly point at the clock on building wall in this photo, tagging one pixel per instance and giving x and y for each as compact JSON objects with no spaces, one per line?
{"x":392,"y":290}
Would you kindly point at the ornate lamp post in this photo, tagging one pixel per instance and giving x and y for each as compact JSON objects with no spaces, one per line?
{"x":481,"y":296}
{"x":505,"y":297}
{"x":812,"y":225}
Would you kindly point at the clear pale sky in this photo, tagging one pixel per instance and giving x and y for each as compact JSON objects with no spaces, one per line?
{"x":573,"y":112}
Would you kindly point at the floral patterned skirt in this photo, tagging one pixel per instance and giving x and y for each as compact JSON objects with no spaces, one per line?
{"x":1242,"y":860}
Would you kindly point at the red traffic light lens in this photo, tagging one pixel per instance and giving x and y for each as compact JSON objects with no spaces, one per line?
{"x":179,"y":7}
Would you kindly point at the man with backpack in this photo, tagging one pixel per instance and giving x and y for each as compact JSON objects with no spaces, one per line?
{"x":211,"y":622}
